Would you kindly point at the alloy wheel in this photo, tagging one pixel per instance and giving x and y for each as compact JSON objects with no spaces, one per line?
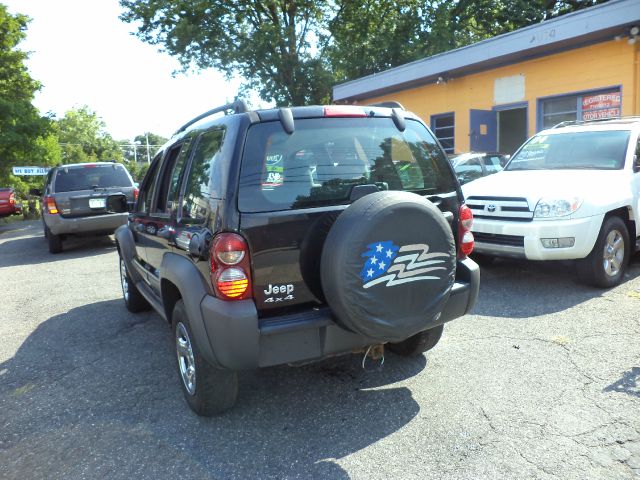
{"x":613,"y":254}
{"x":124,"y":280}
{"x":186,"y":362}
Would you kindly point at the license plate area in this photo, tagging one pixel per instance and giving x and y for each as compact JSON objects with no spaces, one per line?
{"x":97,"y":202}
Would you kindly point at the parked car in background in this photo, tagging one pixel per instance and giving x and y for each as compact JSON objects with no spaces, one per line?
{"x":8,"y":204}
{"x":75,"y":200}
{"x":474,"y":165}
{"x":290,"y":235}
{"x":569,"y":193}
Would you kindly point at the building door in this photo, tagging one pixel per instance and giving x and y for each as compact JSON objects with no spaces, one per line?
{"x":512,"y":129}
{"x":483,"y":130}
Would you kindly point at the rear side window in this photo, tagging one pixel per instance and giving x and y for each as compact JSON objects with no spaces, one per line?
{"x":321,"y":162}
{"x":148,"y":184}
{"x":88,"y":177}
{"x":195,"y":206}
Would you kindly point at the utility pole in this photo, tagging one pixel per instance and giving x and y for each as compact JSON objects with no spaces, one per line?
{"x":148,"y":152}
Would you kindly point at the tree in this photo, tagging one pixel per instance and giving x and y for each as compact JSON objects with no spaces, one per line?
{"x":136,"y":150}
{"x":293,"y":51}
{"x":275,"y":46}
{"x":25,"y":136}
{"x":474,"y":20}
{"x":83,"y":138}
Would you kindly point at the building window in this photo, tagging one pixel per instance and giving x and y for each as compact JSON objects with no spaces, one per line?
{"x":586,"y":107}
{"x":443,"y":127}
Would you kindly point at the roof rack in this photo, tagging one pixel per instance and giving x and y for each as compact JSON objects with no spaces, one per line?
{"x":239,"y":106}
{"x":390,"y":104}
{"x":567,"y":123}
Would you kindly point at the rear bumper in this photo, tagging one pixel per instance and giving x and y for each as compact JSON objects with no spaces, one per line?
{"x":239,"y":340}
{"x":95,"y":224}
{"x":6,"y":210}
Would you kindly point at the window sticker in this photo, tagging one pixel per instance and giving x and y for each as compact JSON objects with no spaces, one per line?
{"x":274,"y":170}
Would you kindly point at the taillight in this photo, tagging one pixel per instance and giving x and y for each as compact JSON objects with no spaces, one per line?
{"x":135,"y":193}
{"x":465,"y":237}
{"x":50,"y":204}
{"x":230,"y":267}
{"x":12,"y":198}
{"x":344,"y":111}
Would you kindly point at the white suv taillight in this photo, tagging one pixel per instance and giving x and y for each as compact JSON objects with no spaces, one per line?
{"x":465,"y":237}
{"x":230,"y":267}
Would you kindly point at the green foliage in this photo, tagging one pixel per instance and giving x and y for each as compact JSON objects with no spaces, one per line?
{"x":275,"y":46}
{"x":137,"y":170}
{"x":25,"y":137}
{"x":374,"y":35}
{"x":137,"y":149}
{"x":292,"y":51}
{"x":82,"y":138}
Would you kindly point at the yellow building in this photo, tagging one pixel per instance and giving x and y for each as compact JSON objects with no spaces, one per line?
{"x":494,"y":94}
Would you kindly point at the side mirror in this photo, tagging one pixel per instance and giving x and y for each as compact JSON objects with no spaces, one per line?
{"x":36,"y":192}
{"x":117,"y":203}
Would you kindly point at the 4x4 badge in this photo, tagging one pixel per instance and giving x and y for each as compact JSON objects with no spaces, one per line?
{"x":383,"y":264}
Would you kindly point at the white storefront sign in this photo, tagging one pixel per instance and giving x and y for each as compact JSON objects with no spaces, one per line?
{"x":509,"y":90}
{"x":30,"y":170}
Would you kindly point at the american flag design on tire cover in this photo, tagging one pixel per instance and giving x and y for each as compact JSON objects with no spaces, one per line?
{"x":390,"y":264}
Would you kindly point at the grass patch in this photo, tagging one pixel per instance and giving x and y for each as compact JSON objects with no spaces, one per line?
{"x":24,"y":389}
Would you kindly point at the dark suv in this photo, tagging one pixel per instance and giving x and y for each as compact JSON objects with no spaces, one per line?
{"x":294,"y":234}
{"x":75,"y":200}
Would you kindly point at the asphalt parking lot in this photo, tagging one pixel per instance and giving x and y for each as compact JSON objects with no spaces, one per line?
{"x":542,"y":381}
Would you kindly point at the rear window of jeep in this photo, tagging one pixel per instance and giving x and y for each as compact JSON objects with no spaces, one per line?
{"x":325,"y":158}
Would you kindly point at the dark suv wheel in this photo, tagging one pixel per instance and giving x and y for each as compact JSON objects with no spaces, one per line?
{"x":54,"y":241}
{"x":133,"y":299}
{"x":419,"y":343}
{"x":208,"y":390}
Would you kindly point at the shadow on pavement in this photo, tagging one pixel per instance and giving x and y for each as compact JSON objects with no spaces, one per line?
{"x":629,"y":383}
{"x":29,"y":247}
{"x":96,"y":389}
{"x":522,"y":289}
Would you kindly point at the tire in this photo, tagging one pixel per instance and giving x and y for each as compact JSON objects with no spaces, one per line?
{"x":388,"y":265}
{"x":152,"y":229}
{"x":482,"y":260}
{"x":133,"y":299}
{"x":419,"y":343}
{"x":207,"y":390}
{"x":604,"y":267}
{"x":54,"y":241}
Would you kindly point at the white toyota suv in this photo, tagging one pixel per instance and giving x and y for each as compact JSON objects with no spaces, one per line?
{"x":570,"y":192}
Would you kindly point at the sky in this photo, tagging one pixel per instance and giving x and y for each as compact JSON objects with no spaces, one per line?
{"x":84,"y":55}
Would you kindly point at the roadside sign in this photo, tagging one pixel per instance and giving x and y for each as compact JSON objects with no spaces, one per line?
{"x":30,"y":170}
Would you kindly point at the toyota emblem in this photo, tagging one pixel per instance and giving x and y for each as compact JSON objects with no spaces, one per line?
{"x":491,"y":208}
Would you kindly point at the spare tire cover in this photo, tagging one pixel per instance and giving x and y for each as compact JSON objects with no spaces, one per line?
{"x":388,"y":265}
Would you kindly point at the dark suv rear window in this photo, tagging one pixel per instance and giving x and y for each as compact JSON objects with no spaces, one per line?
{"x":87,"y":177}
{"x":325,"y":158}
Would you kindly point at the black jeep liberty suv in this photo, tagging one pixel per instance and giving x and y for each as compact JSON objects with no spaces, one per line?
{"x":293,"y":234}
